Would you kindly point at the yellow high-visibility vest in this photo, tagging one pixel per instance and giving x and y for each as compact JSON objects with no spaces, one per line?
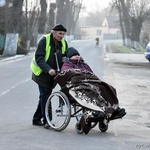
{"x":34,"y":67}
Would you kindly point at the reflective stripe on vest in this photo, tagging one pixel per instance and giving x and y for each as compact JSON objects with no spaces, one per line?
{"x":34,"y":67}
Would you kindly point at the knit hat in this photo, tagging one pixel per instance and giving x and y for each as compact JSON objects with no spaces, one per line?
{"x":71,"y":52}
{"x":59,"y":27}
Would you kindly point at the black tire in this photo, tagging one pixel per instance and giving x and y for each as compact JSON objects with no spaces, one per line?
{"x":103,"y":127}
{"x":58,"y":111}
{"x":78,"y":128}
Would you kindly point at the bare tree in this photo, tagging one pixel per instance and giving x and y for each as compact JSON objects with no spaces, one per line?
{"x":61,"y":11}
{"x":74,"y":14}
{"x":134,"y":13}
{"x":117,"y":5}
{"x":126,"y":19}
{"x":15,"y":16}
{"x":139,"y":12}
{"x":29,"y":23}
{"x":51,"y":20}
{"x":43,"y":17}
{"x":145,"y":34}
{"x":95,"y":18}
{"x":68,"y":13}
{"x":2,"y":20}
{"x":12,"y":24}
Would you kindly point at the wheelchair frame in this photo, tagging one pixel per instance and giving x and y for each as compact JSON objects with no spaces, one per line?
{"x":59,"y":111}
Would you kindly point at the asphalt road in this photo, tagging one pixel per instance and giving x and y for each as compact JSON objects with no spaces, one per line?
{"x":19,"y":97}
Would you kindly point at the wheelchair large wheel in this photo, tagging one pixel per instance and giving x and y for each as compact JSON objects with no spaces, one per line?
{"x":58,"y":111}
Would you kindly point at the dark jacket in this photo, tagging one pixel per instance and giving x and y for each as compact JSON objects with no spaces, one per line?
{"x":45,"y":79}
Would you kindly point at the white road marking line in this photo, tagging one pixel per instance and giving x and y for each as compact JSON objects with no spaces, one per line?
{"x":13,"y":87}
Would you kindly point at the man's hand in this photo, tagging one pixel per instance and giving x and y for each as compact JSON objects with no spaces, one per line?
{"x":52,"y":72}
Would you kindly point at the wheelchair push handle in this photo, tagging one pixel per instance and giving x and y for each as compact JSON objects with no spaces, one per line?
{"x":57,"y":71}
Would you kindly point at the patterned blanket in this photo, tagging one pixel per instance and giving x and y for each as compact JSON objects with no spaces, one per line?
{"x":89,"y":90}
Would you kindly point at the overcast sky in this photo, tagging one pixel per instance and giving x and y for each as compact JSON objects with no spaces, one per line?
{"x":92,"y":4}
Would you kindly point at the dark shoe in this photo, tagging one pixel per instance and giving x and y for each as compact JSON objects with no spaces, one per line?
{"x":119,"y":113}
{"x":37,"y":123}
{"x":47,"y":126}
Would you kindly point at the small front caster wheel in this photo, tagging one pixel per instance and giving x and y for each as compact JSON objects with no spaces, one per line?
{"x":78,"y":128}
{"x":103,"y":127}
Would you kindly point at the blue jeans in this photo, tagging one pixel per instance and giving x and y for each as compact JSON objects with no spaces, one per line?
{"x":39,"y":114}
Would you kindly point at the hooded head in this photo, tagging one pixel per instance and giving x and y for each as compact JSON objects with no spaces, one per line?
{"x":59,"y":27}
{"x":71,"y":52}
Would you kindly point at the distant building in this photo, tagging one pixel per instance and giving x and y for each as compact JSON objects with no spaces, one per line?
{"x":109,"y":29}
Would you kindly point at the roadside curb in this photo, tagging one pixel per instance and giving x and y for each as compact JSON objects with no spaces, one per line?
{"x":10,"y":58}
{"x":14,"y":57}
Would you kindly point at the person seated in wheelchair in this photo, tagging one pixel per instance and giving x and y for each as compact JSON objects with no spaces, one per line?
{"x":90,"y":92}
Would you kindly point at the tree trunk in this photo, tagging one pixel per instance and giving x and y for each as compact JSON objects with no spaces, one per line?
{"x":126,"y":19}
{"x":73,"y":10}
{"x":51,"y":17}
{"x":128,"y":42}
{"x":61,"y":12}
{"x":121,"y":23}
{"x":136,"y":30}
{"x":12,"y":27}
{"x":11,"y":41}
{"x":43,"y":17}
{"x":15,"y":16}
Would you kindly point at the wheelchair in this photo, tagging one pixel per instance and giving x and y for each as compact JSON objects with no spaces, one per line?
{"x":59,"y":110}
{"x":62,"y":105}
